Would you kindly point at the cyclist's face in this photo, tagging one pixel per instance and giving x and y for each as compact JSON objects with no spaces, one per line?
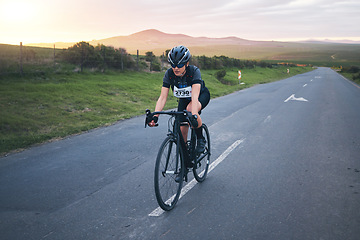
{"x":180,"y":71}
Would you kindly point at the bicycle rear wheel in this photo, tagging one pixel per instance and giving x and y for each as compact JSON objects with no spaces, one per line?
{"x":167,"y":168}
{"x":202,"y":161}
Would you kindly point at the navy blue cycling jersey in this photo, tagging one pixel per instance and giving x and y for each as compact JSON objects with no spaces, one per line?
{"x":192,"y":76}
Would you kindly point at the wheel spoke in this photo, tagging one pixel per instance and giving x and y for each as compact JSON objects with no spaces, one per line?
{"x":202,"y":163}
{"x":167,"y":190}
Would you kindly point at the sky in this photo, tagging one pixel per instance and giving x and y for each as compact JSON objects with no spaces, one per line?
{"x":45,"y":21}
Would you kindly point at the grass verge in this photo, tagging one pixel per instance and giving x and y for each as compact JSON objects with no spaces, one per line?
{"x":35,"y":109}
{"x":350,"y":76}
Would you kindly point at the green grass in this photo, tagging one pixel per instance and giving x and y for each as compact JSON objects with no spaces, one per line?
{"x":38,"y":108}
{"x":318,"y":54}
{"x":350,"y":77}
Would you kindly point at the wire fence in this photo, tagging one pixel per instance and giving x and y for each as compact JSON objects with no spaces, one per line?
{"x":22,"y":60}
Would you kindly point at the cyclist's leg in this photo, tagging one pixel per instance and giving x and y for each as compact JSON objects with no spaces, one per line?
{"x":198,"y":109}
{"x":204,"y":99}
{"x":184,"y":128}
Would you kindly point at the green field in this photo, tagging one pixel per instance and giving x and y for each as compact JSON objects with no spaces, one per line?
{"x":326,"y":54}
{"x":52,"y":100}
{"x":42,"y":107}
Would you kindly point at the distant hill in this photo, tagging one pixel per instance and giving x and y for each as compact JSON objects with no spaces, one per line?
{"x":154,"y":39}
{"x":158,"y":42}
{"x":330,"y":41}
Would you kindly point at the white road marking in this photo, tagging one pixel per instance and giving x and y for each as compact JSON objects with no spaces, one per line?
{"x":267,"y":119}
{"x":292,"y":97}
{"x":158,"y":211}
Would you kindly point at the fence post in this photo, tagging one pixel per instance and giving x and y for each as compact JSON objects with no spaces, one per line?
{"x":104,"y":55}
{"x":121,"y":59}
{"x":137,"y":60}
{"x":54,"y":59}
{"x":162,"y":60}
{"x":21,"y":60}
{"x":82,"y":56}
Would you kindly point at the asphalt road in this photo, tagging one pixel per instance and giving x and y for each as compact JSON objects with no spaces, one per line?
{"x":288,"y":157}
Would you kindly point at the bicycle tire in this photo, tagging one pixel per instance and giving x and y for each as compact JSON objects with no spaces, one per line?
{"x":167,"y":167}
{"x":201,"y":165}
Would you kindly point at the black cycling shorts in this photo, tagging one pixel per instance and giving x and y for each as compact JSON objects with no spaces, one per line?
{"x":204,"y":99}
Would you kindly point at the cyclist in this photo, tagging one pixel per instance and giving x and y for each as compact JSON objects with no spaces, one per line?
{"x":187,"y":85}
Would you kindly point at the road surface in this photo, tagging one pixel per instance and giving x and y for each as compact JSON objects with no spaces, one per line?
{"x":288,"y":162}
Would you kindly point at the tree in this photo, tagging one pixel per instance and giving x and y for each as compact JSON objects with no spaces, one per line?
{"x":154,"y":62}
{"x":83,"y":54}
{"x":149,"y":56}
{"x":101,"y":56}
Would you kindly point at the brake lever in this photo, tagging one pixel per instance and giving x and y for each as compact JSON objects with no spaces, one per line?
{"x":148,"y":113}
{"x":190,"y":119}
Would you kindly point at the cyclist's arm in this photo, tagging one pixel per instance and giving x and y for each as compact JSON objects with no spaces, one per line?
{"x":160,"y":104}
{"x":195,"y":104}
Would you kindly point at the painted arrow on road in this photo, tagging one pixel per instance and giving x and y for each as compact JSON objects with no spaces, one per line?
{"x":293,"y":98}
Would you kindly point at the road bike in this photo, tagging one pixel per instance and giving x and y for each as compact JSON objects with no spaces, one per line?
{"x":176,"y":157}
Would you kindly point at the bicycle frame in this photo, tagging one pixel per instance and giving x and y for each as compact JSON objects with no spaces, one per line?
{"x":177,"y":134}
{"x":175,"y":158}
{"x":175,"y":131}
{"x":188,"y":153}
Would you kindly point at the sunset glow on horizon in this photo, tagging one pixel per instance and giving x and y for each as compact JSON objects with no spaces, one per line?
{"x":16,"y":12}
{"x":40,"y":21}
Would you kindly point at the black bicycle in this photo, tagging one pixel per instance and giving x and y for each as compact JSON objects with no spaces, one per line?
{"x":176,"y":157}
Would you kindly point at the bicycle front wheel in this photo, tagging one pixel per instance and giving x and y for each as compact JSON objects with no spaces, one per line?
{"x":167,"y":168}
{"x":202,"y":161}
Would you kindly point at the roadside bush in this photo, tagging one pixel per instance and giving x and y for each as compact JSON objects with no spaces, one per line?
{"x":356,"y":77}
{"x":155,"y":66}
{"x":354,"y":69}
{"x":149,"y":56}
{"x":220,"y":74}
{"x":85,"y":55}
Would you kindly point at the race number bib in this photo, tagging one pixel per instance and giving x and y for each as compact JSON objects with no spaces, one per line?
{"x":182,"y":92}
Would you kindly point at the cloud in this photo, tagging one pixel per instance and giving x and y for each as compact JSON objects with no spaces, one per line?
{"x":255,"y":19}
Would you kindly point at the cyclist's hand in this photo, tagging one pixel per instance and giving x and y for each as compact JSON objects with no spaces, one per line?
{"x":194,"y":121}
{"x":153,"y":122}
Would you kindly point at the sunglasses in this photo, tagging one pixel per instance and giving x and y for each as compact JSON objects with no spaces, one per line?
{"x":178,"y":65}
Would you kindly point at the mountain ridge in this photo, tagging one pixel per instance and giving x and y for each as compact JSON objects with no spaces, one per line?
{"x":153,"y":40}
{"x":158,"y":42}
